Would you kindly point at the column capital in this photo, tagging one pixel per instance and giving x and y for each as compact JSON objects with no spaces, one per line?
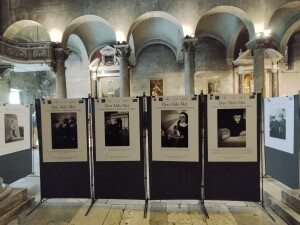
{"x":257,"y":43}
{"x":123,"y":50}
{"x":61,"y":54}
{"x":188,"y":44}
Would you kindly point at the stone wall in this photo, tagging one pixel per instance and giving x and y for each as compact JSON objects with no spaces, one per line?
{"x":31,"y":84}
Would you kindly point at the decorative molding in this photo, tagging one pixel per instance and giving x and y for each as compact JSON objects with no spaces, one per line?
{"x":189,"y":44}
{"x":50,"y":53}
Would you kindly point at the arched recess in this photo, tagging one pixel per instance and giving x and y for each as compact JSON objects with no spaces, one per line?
{"x":155,"y":27}
{"x":77,"y":69}
{"x":93,"y":31}
{"x":27,"y":31}
{"x":282,"y":30}
{"x":225,"y":23}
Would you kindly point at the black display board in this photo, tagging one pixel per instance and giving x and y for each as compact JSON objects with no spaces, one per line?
{"x":238,"y":181}
{"x":171,"y":179}
{"x":119,"y":179}
{"x":62,"y":179}
{"x":16,"y":165}
{"x":284,"y":166}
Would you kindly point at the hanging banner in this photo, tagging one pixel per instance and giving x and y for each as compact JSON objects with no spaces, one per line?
{"x":232,"y":128}
{"x":117,"y":129}
{"x":64,"y":128}
{"x":279,"y":123}
{"x":15,"y":124}
{"x":175,"y":128}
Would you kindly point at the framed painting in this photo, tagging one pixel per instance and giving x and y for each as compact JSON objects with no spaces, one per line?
{"x":156,"y":87}
{"x":213,"y":85}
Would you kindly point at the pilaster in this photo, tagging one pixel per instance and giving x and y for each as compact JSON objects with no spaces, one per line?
{"x":189,"y":64}
{"x":258,"y":46}
{"x":60,"y":56}
{"x":123,"y":52}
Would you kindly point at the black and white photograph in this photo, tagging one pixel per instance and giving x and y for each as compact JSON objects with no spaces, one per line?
{"x":279,"y":123}
{"x":174,"y":129}
{"x":116,"y":128}
{"x":232,"y":128}
{"x":15,"y":128}
{"x":64,"y":130}
{"x":13,"y":132}
{"x":230,"y":120}
{"x":277,"y":126}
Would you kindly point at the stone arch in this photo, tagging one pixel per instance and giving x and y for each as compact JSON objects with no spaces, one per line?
{"x":155,"y":27}
{"x":282,"y":30}
{"x":212,"y":24}
{"x":92,"y":31}
{"x":27,"y":31}
{"x":77,"y":68}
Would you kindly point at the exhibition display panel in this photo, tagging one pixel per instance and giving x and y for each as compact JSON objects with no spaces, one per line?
{"x":15,"y":142}
{"x":175,"y":166}
{"x":232,"y":147}
{"x":63,"y":138}
{"x":118,"y":148}
{"x":281,"y":116}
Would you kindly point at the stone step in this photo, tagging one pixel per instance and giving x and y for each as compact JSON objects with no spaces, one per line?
{"x":290,"y":216}
{"x":292,"y":199}
{"x":5,"y":192}
{"x":16,"y":210}
{"x":13,"y":199}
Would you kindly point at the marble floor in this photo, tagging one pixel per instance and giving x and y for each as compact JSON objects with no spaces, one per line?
{"x":131,"y":212}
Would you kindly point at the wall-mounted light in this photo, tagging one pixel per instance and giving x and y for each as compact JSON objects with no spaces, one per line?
{"x":55,"y":35}
{"x":263,"y":34}
{"x":187,"y":30}
{"x":120,"y":36}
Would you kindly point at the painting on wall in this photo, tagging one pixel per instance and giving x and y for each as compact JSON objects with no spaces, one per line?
{"x":213,"y":85}
{"x":156,"y":87}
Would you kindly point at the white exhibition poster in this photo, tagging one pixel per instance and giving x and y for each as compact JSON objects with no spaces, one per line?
{"x":64,"y":130}
{"x":117,"y":129}
{"x":175,"y":128}
{"x":15,"y":121}
{"x":232,"y":128}
{"x":279,"y":123}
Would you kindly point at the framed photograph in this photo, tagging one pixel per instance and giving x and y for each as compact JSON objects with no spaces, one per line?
{"x":213,"y":85}
{"x":156,"y":87}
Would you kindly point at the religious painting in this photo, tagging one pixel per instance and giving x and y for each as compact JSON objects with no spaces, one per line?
{"x":213,"y":85}
{"x":156,"y":87}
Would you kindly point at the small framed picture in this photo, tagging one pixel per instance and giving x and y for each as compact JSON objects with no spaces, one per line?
{"x":213,"y":85}
{"x":156,"y":87}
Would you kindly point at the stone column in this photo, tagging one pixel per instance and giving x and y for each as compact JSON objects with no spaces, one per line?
{"x":94,"y":84}
{"x":189,"y":65}
{"x":123,"y":52}
{"x":258,"y":47}
{"x":275,"y":92}
{"x":60,"y":56}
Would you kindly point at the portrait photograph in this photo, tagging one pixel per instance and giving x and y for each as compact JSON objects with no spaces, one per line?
{"x":277,"y":125}
{"x":116,"y":128}
{"x":231,"y":128}
{"x":64,"y":130}
{"x":174,"y":129}
{"x":13,"y":132}
{"x":156,"y":87}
